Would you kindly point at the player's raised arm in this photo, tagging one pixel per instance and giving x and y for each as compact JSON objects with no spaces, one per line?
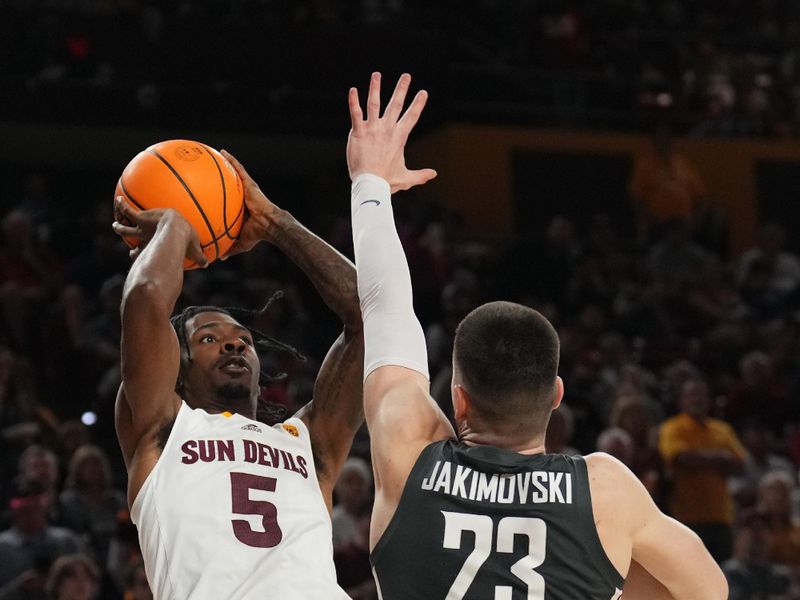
{"x":401,"y":415}
{"x":336,"y":412}
{"x":150,"y":355}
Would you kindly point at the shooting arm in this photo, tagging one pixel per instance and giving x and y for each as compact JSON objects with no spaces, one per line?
{"x":149,"y":348}
{"x":337,"y":410}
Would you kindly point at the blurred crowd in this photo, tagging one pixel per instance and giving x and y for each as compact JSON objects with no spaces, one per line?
{"x":718,"y":68}
{"x":679,"y":357}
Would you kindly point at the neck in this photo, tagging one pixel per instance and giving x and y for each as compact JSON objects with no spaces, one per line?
{"x":215,"y":405}
{"x":525,"y":445}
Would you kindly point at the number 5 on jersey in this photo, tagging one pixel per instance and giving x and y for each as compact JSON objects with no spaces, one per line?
{"x":508,"y":527}
{"x":241,"y":484}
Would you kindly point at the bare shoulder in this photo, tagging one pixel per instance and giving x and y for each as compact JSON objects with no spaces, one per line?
{"x":616,"y":502}
{"x":611,"y":482}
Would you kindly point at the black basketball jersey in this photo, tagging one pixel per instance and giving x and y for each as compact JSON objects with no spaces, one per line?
{"x":482,"y":523}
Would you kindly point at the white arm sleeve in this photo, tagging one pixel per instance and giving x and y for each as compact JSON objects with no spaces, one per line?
{"x":392,"y":333}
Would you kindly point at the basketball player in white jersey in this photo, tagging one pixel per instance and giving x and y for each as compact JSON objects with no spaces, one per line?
{"x":511,"y":519}
{"x":228,"y":507}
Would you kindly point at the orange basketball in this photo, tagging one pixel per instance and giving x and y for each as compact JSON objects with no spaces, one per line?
{"x":195,"y":180}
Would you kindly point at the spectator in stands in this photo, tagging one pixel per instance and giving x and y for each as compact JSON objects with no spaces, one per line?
{"x":73,"y":577}
{"x":759,"y":442}
{"x":771,"y":256}
{"x":89,"y":505}
{"x":559,"y":431}
{"x":352,"y":493}
{"x":136,"y":586}
{"x":775,"y":501}
{"x":700,"y":454}
{"x":749,"y":573}
{"x":31,"y":539}
{"x":29,"y":275}
{"x":676,"y":260}
{"x":665,"y":186}
{"x":634,"y":413}
{"x":618,"y":443}
{"x":40,"y":464}
{"x":353,"y":572}
{"x":28,"y":585}
{"x":759,"y":393}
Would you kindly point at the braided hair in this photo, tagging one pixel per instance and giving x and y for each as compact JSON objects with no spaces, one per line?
{"x":271,"y":411}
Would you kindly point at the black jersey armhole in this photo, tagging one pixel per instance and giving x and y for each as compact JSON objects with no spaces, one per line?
{"x":601,"y":560}
{"x":375,"y":554}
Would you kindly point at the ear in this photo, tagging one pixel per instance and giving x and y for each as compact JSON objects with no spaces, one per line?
{"x":559,"y":392}
{"x":461,"y":403}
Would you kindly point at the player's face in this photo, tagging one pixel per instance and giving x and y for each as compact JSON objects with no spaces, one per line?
{"x":223,"y":356}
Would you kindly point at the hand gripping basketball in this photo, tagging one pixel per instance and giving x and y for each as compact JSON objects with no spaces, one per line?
{"x":195,"y":180}
{"x":142,"y":225}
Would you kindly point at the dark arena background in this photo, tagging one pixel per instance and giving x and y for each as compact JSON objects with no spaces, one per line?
{"x":629,"y":168}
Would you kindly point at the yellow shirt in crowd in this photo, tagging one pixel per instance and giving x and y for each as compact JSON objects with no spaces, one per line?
{"x":699,"y":496}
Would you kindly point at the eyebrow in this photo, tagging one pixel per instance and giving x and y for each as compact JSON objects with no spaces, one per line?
{"x":217,"y":324}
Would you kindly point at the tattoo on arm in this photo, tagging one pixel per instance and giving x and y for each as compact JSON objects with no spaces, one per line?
{"x":332,"y":274}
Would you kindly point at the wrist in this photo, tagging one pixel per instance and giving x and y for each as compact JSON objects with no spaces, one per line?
{"x":272,"y":222}
{"x":368,"y":176}
{"x":176,"y":224}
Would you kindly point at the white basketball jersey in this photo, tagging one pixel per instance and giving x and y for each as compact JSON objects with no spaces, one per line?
{"x":233,"y":510}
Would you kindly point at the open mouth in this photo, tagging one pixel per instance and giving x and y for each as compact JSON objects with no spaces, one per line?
{"x":234,"y":365}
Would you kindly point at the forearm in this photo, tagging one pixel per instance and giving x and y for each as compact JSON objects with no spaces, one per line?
{"x":331,"y":273}
{"x":159,"y":268}
{"x":392,"y":333}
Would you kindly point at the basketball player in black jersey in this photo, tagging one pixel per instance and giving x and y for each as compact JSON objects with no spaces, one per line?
{"x":483,"y":512}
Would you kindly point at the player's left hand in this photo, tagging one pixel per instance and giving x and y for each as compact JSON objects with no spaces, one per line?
{"x":376,"y":145}
{"x":261,"y":212}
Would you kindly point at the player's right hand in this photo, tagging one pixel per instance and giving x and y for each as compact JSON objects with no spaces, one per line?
{"x":142,"y":226}
{"x":376,"y":144}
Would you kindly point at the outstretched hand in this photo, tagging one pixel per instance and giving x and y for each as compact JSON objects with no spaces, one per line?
{"x":142,"y":226}
{"x":261,"y":212}
{"x":376,"y":145}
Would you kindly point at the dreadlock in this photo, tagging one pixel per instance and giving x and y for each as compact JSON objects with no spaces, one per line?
{"x":262,"y":340}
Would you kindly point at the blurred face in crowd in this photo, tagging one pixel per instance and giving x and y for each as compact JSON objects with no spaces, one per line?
{"x":752,"y":542}
{"x":77,"y":584}
{"x":774,"y":497}
{"x":41,"y":465}
{"x":91,"y":472}
{"x":633,"y":417}
{"x":30,"y":513}
{"x":352,"y":489}
{"x":694,"y":399}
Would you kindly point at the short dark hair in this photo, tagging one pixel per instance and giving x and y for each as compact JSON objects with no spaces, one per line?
{"x":507,"y":355}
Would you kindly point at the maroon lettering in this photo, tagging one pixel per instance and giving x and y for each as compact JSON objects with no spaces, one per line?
{"x":250,"y":451}
{"x":275,"y":456}
{"x":288,"y":462}
{"x":262,"y":457}
{"x":225,"y":450}
{"x":301,"y":461}
{"x":207,"y":450}
{"x":189,"y":453}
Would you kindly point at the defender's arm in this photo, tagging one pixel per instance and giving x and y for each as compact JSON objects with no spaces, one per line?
{"x":401,"y":415}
